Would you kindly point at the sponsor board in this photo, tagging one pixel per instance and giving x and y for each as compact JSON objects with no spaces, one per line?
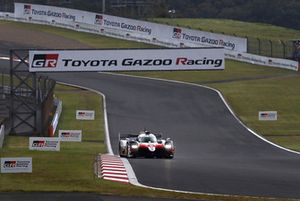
{"x":70,"y":135}
{"x":209,"y":39}
{"x":43,"y":12}
{"x":85,"y":114}
{"x":44,"y":144}
{"x":267,"y":115}
{"x":16,"y":165}
{"x":129,"y":27}
{"x":262,"y":60}
{"x":126,"y":60}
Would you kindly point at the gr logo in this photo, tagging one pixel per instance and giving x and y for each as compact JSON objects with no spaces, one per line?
{"x":99,"y":19}
{"x":177,"y":33}
{"x":10,"y":164}
{"x":44,"y":60}
{"x":27,"y":9}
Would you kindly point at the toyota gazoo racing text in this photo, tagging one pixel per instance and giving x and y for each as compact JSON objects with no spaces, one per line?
{"x":145,"y":144}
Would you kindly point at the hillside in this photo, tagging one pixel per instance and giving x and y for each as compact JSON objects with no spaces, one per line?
{"x":234,"y":27}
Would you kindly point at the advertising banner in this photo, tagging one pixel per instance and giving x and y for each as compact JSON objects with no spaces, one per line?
{"x":126,"y":60}
{"x":267,"y":115}
{"x":16,"y":165}
{"x":44,"y":144}
{"x":70,"y":135}
{"x":262,"y":60}
{"x":51,"y":14}
{"x":208,"y":39}
{"x":85,"y":114}
{"x":130,"y":28}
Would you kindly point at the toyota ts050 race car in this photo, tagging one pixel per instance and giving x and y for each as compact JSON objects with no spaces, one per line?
{"x":145,"y":144}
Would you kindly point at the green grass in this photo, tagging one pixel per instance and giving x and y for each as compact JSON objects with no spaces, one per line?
{"x":278,"y":94}
{"x":92,"y":40}
{"x":232,"y":27}
{"x":72,"y":167}
{"x":234,"y":70}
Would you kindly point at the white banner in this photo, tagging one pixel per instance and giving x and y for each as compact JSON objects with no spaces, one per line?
{"x":16,"y":165}
{"x":267,"y":115}
{"x":126,"y":60}
{"x":70,"y":135}
{"x":85,"y":114}
{"x":44,"y":144}
{"x":208,"y":39}
{"x":141,"y":30}
{"x":262,"y":60}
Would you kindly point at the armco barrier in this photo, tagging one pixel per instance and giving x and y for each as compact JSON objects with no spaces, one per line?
{"x":55,"y":120}
{"x":262,"y":60}
{"x":2,"y":134}
{"x":141,"y":31}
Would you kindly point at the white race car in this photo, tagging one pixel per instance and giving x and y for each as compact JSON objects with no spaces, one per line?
{"x":145,"y":144}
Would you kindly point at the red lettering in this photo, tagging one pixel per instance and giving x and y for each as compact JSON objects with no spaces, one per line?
{"x":181,"y":61}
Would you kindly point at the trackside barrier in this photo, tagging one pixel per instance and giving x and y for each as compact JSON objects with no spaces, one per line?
{"x":55,"y":120}
{"x":262,"y":60}
{"x":141,"y":31}
{"x":2,"y":134}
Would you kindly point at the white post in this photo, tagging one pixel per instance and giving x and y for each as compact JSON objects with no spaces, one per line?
{"x":103,"y":6}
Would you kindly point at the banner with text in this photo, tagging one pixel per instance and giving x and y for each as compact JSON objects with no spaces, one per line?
{"x":130,"y":28}
{"x":85,"y":114}
{"x":16,"y":165}
{"x":126,"y":60}
{"x":70,"y":135}
{"x":44,"y":143}
{"x":267,"y":115}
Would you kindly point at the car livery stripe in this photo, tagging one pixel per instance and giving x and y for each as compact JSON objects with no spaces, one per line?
{"x":111,"y":168}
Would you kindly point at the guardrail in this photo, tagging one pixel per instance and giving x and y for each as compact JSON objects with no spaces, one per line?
{"x":55,"y":120}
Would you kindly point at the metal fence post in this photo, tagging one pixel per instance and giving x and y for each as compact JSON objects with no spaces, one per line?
{"x":259,"y":48}
{"x":283,"y":48}
{"x":271,"y":48}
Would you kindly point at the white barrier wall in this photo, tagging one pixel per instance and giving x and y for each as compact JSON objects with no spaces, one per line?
{"x":262,"y":60}
{"x":137,"y":28}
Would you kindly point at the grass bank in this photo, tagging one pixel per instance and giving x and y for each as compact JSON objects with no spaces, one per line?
{"x":233,"y":27}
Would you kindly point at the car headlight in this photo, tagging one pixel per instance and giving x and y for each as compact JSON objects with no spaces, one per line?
{"x":168,"y":146}
{"x":134,"y":146}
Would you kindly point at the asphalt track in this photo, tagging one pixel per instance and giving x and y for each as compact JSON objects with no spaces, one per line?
{"x":214,"y":152}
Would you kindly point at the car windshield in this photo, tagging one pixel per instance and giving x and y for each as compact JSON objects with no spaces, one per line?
{"x":147,"y":138}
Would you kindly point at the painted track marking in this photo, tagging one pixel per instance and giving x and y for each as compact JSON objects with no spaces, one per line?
{"x":112,"y":168}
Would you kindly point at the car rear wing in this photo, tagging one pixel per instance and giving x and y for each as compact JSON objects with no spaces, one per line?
{"x":124,"y":136}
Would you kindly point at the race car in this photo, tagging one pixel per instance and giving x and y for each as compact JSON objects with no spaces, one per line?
{"x":145,"y":144}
